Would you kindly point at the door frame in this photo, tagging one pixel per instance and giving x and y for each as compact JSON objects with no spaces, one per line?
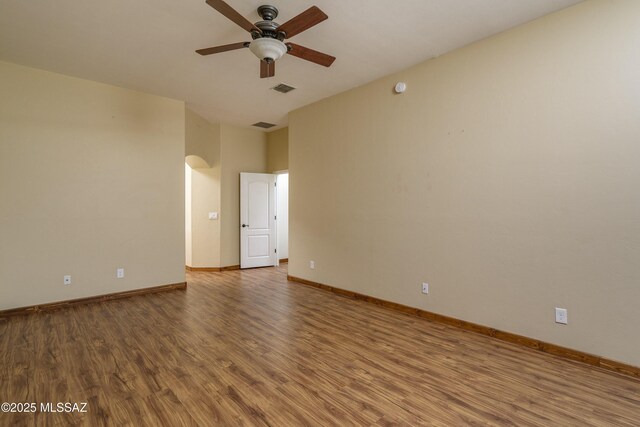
{"x":280,"y":172}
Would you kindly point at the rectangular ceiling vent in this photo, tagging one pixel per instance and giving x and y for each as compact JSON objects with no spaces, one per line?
{"x":263,"y":125}
{"x":283,"y":88}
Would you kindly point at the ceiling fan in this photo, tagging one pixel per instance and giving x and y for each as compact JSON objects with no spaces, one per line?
{"x":268,"y":36}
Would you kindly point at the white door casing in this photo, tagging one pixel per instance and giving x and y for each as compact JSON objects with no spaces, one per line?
{"x":282,"y":213}
{"x":258,"y":237}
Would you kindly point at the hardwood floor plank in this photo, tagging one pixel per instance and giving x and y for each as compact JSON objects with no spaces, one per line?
{"x":248,"y":348}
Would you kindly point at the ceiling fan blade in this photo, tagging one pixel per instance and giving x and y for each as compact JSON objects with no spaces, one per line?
{"x":233,"y":15}
{"x":304,"y":21}
{"x":310,"y":55}
{"x":267,"y":69}
{"x":224,"y":48}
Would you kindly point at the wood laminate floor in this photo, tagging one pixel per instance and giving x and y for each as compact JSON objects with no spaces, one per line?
{"x":248,"y":348}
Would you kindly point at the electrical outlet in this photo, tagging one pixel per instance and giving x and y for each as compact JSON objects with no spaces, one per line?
{"x":120,"y":273}
{"x":425,"y":288}
{"x":561,"y":315}
{"x":67,"y":280}
{"x":312,"y":265}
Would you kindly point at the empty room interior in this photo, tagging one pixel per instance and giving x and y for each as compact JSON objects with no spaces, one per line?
{"x":332,"y":213}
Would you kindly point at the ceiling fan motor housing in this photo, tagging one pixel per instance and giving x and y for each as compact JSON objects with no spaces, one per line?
{"x":267,"y":26}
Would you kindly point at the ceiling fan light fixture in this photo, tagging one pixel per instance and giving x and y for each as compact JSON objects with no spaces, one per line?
{"x":266,"y":48}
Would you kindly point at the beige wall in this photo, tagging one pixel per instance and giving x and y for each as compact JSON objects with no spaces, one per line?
{"x":278,"y":150}
{"x":507,"y":177}
{"x":202,"y":141}
{"x":242,"y":150}
{"x":205,"y":233}
{"x":91,"y":179}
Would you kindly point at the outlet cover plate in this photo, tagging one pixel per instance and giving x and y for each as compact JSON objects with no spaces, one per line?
{"x":425,"y":288}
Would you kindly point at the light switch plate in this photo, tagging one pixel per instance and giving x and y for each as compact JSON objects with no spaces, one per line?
{"x":561,"y":316}
{"x":213,"y":215}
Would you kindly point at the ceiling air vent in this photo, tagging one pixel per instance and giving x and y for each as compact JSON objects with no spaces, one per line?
{"x":283,"y":88}
{"x":263,"y":125}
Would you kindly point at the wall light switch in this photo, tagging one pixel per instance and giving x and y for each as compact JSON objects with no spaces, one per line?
{"x":67,"y":280}
{"x":213,"y":215}
{"x":561,"y":316}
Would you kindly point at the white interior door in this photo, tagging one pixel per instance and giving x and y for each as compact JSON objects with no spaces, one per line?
{"x":257,"y":220}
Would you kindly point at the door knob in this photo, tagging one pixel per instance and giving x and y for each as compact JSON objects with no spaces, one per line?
{"x":245,"y":225}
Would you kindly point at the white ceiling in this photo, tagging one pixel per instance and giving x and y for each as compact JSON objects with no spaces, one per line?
{"x":148,"y":45}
